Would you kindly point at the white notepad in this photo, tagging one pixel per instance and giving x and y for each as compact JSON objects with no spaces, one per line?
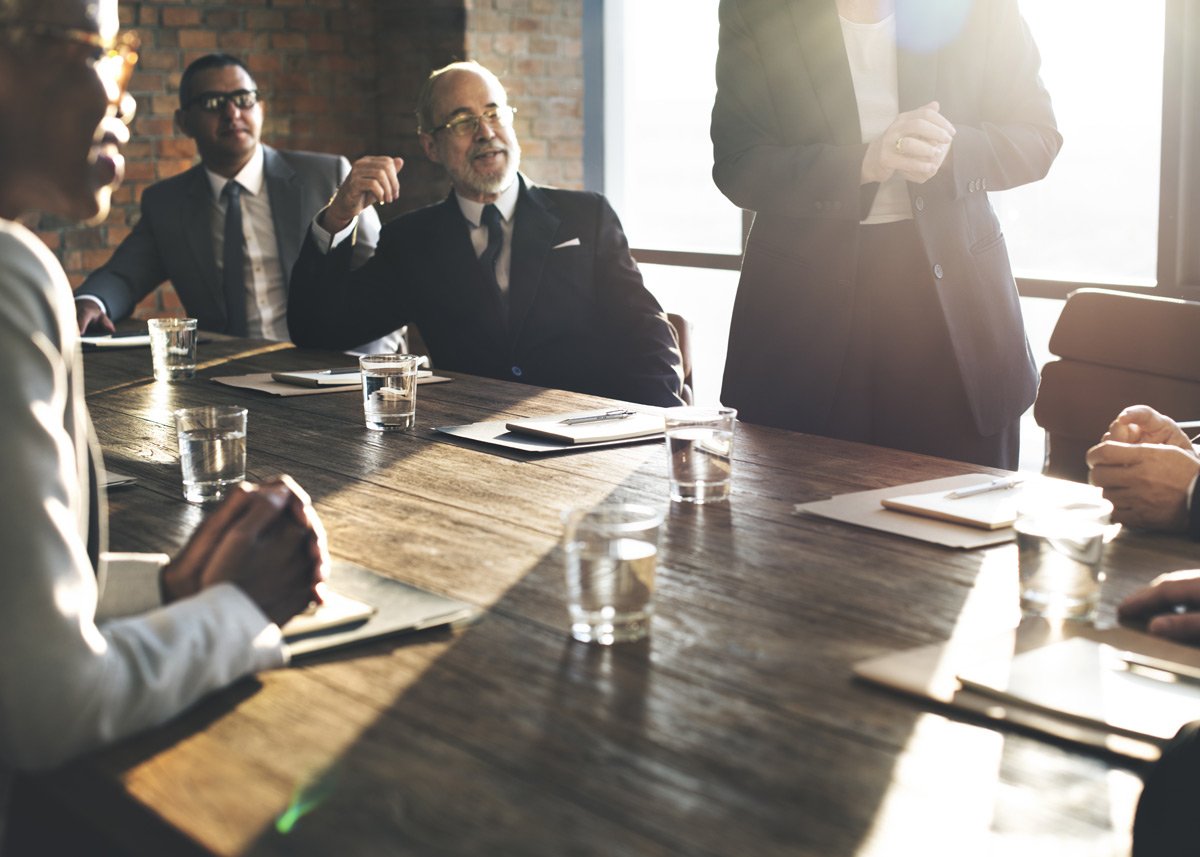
{"x":584,"y":427}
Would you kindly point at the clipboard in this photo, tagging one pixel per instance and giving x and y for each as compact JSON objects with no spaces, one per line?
{"x":398,"y":608}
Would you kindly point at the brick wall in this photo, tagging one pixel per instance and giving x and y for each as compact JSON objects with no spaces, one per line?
{"x":341,"y":76}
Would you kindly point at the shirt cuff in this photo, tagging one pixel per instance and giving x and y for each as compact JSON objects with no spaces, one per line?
{"x":94,"y":300}
{"x":326,"y":241}
{"x":129,"y":584}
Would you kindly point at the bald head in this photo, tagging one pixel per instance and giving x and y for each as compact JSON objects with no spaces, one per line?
{"x":426,"y":100}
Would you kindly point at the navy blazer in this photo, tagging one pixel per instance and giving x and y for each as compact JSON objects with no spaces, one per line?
{"x":578,"y":318}
{"x":173,"y":239}
{"x":788,"y":145}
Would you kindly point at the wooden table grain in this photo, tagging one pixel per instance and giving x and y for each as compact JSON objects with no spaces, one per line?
{"x":735,"y":729}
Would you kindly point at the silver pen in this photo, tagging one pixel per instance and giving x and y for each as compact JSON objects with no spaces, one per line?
{"x":617,"y":414}
{"x":984,"y":487}
{"x":1158,"y":668}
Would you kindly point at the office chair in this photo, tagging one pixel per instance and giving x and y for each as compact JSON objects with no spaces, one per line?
{"x":683,"y":335}
{"x":1115,"y":349}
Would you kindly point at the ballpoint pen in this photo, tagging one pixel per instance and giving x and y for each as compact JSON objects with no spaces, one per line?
{"x":344,"y":370}
{"x":618,"y":414}
{"x":1158,"y":668}
{"x":984,"y":487}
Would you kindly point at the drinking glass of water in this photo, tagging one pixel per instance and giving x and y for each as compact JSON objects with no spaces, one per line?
{"x":212,"y":450}
{"x":389,"y":385}
{"x":611,"y":558}
{"x":1059,"y":549}
{"x":699,"y":453}
{"x":173,"y":348}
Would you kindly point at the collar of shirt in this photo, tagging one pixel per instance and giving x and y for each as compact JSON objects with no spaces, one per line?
{"x":506,"y":204}
{"x":251,"y":177}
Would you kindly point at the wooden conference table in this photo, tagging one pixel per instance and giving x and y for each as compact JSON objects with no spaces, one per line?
{"x":736,"y":729}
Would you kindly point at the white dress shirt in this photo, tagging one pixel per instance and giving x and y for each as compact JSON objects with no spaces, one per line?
{"x":266,"y":292}
{"x":871,"y":50}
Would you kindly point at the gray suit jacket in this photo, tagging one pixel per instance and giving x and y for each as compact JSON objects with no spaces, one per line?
{"x":173,"y":239}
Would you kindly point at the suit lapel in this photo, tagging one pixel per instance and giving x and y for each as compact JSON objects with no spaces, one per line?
{"x":283,"y":189}
{"x":819,"y":36}
{"x":196,"y":226}
{"x":533,"y":236}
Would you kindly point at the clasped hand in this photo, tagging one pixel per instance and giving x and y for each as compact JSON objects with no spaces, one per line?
{"x":1145,"y":464}
{"x":265,"y":539}
{"x":915,"y":145}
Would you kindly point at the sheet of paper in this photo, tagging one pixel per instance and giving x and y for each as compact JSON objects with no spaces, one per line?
{"x":137,"y":340}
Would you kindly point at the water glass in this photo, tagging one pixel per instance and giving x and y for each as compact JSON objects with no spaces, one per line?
{"x":212,"y":450}
{"x":700,"y":453}
{"x":611,"y":557}
{"x":389,"y":385}
{"x":1059,"y":547}
{"x":173,"y":348}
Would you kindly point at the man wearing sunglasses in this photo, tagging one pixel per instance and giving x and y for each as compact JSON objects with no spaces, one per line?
{"x":504,"y":278}
{"x":226,"y":232}
{"x":95,"y":646}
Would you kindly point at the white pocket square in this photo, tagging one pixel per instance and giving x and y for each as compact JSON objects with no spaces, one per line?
{"x":574,"y":242}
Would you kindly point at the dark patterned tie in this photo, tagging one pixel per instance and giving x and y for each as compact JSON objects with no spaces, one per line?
{"x":234,"y":261}
{"x":491,"y":219}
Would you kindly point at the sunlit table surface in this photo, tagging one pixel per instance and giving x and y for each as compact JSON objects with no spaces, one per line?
{"x":735,"y":729}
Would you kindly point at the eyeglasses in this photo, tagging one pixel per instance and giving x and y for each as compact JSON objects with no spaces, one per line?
{"x":214,"y":102}
{"x":466,"y":124}
{"x":115,"y":58}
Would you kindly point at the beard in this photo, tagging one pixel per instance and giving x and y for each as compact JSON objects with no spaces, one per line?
{"x":489,"y":181}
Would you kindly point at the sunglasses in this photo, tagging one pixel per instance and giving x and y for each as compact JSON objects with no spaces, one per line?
{"x":214,"y":102}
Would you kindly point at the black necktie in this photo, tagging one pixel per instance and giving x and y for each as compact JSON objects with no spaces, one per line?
{"x":491,"y":219}
{"x":234,"y":261}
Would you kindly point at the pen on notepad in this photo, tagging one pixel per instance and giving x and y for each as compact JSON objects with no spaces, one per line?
{"x":1158,"y":668}
{"x":984,"y":487}
{"x":597,"y":418}
{"x":345,"y":370}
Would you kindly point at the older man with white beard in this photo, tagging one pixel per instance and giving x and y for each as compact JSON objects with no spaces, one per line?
{"x":504,"y":278}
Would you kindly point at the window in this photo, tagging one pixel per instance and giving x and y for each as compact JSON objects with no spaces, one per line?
{"x":1118,"y":209}
{"x":1094,"y":219}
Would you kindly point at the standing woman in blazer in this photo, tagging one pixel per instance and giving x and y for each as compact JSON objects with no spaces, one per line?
{"x":876,"y":300}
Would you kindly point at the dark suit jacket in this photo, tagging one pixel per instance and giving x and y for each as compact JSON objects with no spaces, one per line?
{"x":788,"y":146}
{"x":579,"y":317}
{"x":173,"y":239}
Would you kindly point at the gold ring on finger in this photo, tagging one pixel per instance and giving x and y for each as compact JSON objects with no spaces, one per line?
{"x":900,"y":145}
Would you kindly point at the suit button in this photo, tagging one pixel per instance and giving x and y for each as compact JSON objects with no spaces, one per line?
{"x":516,"y":370}
{"x":983,"y":184}
{"x":919,"y":203}
{"x":971,"y":186}
{"x":937,"y":271}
